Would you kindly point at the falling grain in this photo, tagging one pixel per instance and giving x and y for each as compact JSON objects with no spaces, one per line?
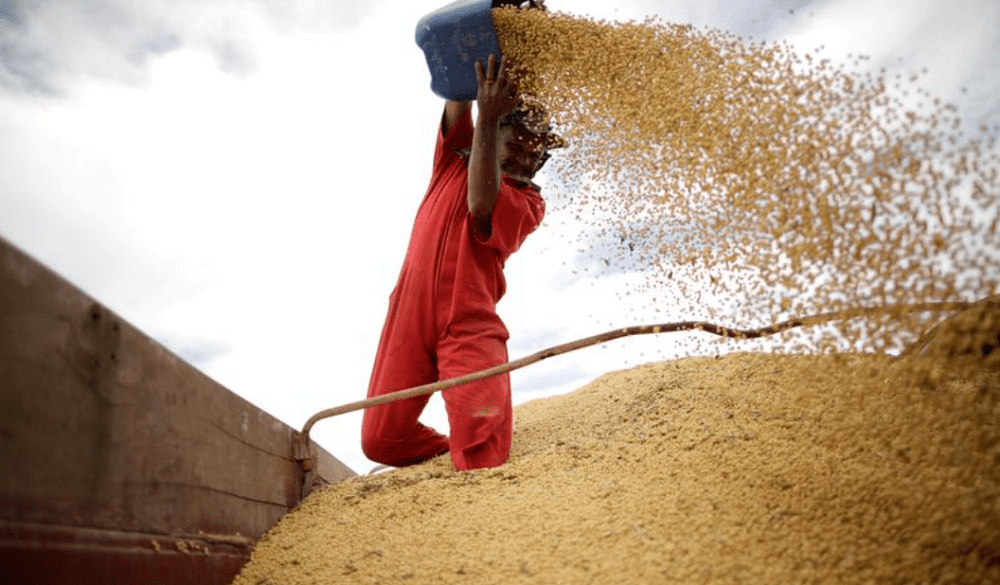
{"x":810,"y":187}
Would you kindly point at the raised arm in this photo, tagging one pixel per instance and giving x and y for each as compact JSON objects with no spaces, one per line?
{"x":497,"y":95}
{"x":453,"y":112}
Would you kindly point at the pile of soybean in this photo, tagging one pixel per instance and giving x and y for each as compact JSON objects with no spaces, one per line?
{"x":753,"y":183}
{"x":746,"y":468}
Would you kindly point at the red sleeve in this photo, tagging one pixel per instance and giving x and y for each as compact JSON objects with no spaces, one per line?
{"x":516,"y":213}
{"x":459,"y":137}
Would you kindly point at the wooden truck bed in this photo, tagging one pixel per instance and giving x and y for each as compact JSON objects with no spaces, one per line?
{"x":121,"y":463}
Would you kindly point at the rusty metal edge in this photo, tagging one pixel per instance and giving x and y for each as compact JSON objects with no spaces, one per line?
{"x":41,"y":553}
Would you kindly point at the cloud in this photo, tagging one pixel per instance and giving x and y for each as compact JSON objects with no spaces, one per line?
{"x":200,"y":353}
{"x":49,"y":46}
{"x":11,"y":11}
{"x":317,"y":15}
{"x":759,"y":19}
{"x":956,"y":42}
{"x":563,"y":375}
{"x":56,"y":42}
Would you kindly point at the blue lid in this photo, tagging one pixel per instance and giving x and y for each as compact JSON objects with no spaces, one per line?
{"x":453,"y":38}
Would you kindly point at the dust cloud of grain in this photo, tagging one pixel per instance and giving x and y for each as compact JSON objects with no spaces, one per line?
{"x":751,"y":183}
{"x":746,"y":468}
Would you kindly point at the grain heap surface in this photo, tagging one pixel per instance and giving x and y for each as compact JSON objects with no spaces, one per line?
{"x":752,"y":182}
{"x":746,"y":468}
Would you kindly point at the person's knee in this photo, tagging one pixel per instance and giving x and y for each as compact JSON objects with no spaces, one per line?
{"x":492,"y":452}
{"x":416,"y":447}
{"x":375,"y":444}
{"x":380,"y":450}
{"x":480,"y":442}
{"x":374,"y":447}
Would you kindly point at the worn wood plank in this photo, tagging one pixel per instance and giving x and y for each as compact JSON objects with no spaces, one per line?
{"x":41,"y":553}
{"x":101,"y":427}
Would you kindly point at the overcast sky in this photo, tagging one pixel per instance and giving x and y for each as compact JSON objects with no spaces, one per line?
{"x":238,"y":178}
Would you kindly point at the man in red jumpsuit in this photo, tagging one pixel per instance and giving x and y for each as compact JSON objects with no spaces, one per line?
{"x":442,"y":320}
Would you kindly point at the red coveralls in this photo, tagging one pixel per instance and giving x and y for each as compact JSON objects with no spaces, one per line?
{"x":442,"y":321}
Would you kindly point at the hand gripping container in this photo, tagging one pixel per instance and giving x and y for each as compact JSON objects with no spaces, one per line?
{"x":453,"y":38}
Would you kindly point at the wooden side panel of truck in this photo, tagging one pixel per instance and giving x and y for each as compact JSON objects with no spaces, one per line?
{"x":119,"y":461}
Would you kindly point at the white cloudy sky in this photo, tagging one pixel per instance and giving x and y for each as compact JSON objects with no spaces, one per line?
{"x":237,"y":178}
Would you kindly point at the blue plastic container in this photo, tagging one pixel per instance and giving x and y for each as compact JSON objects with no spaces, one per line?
{"x":453,"y":38}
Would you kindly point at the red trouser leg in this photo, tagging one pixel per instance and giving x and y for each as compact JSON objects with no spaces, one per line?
{"x":479,"y":413}
{"x":390,"y":433}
